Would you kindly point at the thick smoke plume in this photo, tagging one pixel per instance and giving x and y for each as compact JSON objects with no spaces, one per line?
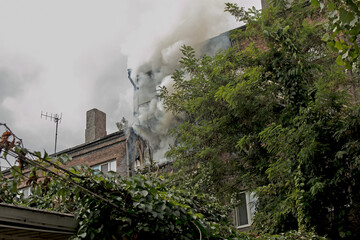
{"x":202,"y":21}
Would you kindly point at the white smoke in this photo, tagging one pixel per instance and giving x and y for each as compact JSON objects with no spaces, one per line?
{"x":203,"y":20}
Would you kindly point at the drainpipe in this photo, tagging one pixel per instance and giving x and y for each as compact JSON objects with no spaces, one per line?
{"x":136,"y":94}
{"x":127,"y":159}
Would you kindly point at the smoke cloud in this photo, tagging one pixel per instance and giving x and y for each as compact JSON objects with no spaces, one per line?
{"x":203,"y":20}
{"x":71,"y":56}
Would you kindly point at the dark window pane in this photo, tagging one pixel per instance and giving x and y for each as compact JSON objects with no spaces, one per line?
{"x":241,"y":213}
{"x":104,"y":168}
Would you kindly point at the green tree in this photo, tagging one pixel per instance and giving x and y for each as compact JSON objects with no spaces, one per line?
{"x":344,"y":27}
{"x":108,"y":206}
{"x":272,"y":115}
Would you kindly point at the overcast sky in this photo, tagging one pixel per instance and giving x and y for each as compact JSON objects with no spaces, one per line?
{"x":69,"y":56}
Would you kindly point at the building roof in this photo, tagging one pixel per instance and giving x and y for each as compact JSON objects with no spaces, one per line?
{"x":93,"y":143}
{"x":107,"y":138}
{"x":17,"y":222}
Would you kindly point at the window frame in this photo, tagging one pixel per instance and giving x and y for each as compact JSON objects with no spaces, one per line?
{"x":250,"y":211}
{"x":109,"y":164}
{"x":28,"y":189}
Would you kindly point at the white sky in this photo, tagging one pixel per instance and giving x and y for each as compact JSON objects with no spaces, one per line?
{"x":69,"y":56}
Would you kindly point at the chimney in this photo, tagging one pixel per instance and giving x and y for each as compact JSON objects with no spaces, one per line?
{"x":95,"y":125}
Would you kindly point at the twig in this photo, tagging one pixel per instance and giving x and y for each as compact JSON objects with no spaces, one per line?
{"x":198,"y":230}
{"x":7,"y":128}
{"x":12,"y":166}
{"x":57,"y":166}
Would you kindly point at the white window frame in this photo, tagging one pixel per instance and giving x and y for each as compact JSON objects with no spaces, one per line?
{"x":250,"y":201}
{"x":111,"y":165}
{"x":26,"y":190}
{"x":138,"y":164}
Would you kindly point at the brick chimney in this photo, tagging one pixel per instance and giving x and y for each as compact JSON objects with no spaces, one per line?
{"x":95,"y":125}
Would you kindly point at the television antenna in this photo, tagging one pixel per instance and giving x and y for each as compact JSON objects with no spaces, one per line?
{"x":57,"y":119}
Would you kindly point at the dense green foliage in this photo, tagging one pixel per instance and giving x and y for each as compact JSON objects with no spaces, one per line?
{"x":277,"y":115}
{"x":108,"y":206}
{"x":132,"y":208}
{"x":344,"y":27}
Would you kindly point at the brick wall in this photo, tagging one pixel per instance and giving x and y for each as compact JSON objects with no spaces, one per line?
{"x":108,"y":148}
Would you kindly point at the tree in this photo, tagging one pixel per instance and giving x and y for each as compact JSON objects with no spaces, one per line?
{"x":272,"y":115}
{"x":108,"y":206}
{"x":344,"y":27}
{"x":342,"y":35}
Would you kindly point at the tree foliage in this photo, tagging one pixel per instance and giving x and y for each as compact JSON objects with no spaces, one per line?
{"x":108,"y":206}
{"x":344,"y":27}
{"x":277,"y":115}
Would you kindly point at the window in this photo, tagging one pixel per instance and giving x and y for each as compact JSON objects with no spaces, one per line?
{"x":26,"y":191}
{"x":106,"y":167}
{"x":243,"y":214}
{"x":138,"y":164}
{"x":3,"y":168}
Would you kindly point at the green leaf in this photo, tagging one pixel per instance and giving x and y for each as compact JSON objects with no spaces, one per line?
{"x":353,"y":22}
{"x":315,"y":3}
{"x":176,"y":213}
{"x":347,"y":65}
{"x":339,"y":61}
{"x":325,"y":37}
{"x":144,"y":193}
{"x":338,"y":45}
{"x":340,"y":154}
{"x":331,"y":6}
{"x":83,"y":235}
{"x":346,"y":16}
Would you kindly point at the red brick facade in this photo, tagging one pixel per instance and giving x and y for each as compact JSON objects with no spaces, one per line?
{"x":108,"y":148}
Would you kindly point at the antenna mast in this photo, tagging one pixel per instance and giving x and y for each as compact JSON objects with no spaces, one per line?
{"x":57,"y":119}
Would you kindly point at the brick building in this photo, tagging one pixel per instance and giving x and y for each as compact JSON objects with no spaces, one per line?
{"x":100,"y":151}
{"x":123,"y":151}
